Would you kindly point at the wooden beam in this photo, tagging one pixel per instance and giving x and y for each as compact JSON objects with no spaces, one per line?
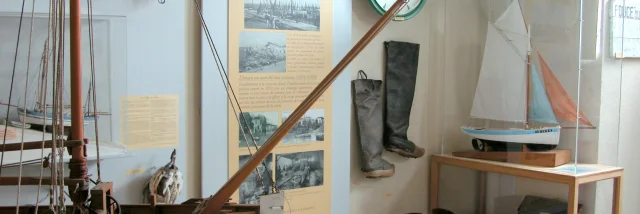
{"x":99,"y":193}
{"x":232,"y":185}
{"x":26,"y":181}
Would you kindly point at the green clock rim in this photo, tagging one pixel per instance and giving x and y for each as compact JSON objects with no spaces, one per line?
{"x":409,"y":15}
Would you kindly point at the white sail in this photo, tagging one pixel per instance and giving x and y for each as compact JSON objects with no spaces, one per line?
{"x":512,"y":25}
{"x":502,"y":90}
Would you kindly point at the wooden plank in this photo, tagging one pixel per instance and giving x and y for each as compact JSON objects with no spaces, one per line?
{"x":99,"y":196}
{"x":434,"y":182}
{"x":11,"y":133}
{"x":598,"y":176}
{"x":38,"y":145}
{"x":573,"y":198}
{"x":482,"y":194}
{"x":25,"y":181}
{"x":617,"y":194}
{"x":548,"y":159}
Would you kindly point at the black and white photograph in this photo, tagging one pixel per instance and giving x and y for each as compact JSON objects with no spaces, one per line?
{"x":301,"y":15}
{"x":299,"y":170}
{"x":253,"y":187}
{"x":264,"y":52}
{"x":310,"y":128}
{"x":260,"y":124}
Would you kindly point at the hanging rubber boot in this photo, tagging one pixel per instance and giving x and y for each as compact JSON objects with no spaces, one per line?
{"x":402,"y":68}
{"x":441,"y":211}
{"x":367,"y":98}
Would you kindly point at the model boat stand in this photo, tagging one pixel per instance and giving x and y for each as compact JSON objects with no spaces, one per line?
{"x":565,"y":174}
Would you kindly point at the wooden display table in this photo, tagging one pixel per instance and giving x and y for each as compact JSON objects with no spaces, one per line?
{"x":587,"y":173}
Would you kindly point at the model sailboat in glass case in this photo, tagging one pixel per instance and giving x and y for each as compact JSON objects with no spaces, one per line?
{"x":517,"y":86}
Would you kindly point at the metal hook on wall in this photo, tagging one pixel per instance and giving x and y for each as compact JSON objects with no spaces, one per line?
{"x":161,"y":1}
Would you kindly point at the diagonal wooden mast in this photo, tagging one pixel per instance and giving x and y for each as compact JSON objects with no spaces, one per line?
{"x":220,"y":198}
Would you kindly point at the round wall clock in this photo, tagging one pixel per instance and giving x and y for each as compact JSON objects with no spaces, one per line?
{"x":407,"y":12}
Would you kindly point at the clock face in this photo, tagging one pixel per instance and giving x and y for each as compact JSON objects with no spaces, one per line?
{"x":411,"y":6}
{"x":407,"y":11}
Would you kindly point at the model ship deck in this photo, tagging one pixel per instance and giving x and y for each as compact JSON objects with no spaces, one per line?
{"x":107,"y":149}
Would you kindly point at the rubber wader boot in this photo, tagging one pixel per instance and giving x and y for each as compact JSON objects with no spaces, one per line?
{"x":441,"y":211}
{"x":402,"y":68}
{"x":367,"y":98}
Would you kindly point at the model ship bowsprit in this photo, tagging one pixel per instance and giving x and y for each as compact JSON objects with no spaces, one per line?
{"x":98,"y":199}
{"x":511,"y":89}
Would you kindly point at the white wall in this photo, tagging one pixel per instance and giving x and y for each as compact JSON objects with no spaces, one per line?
{"x":406,"y":191}
{"x":617,"y":146}
{"x":452,"y":36}
{"x":462,"y":36}
{"x":192,"y":89}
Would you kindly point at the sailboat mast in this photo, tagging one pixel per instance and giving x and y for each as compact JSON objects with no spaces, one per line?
{"x":528,"y":64}
{"x":78,"y":163}
{"x":43,"y":78}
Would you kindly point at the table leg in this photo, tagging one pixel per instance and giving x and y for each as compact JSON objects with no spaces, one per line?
{"x":482,"y":194}
{"x":433,"y":184}
{"x":617,"y":194}
{"x":573,"y":198}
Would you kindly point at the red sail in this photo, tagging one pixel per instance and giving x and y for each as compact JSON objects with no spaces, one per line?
{"x":562,"y":104}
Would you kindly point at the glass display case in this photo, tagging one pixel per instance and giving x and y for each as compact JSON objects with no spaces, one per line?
{"x":32,"y":67}
{"x":532,"y":104}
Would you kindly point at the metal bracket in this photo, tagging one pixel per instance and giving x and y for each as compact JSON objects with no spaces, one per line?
{"x":272,"y":203}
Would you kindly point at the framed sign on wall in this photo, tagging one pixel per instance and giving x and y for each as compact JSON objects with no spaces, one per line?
{"x":624,"y":16}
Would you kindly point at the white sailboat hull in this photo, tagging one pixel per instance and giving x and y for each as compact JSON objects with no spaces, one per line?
{"x":545,"y":135}
{"x":38,"y":120}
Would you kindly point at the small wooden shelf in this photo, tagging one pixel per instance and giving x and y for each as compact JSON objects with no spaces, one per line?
{"x":562,"y":174}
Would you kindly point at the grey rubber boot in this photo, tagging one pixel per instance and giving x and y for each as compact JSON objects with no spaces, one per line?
{"x":402,"y":68}
{"x":441,"y":211}
{"x":367,"y":98}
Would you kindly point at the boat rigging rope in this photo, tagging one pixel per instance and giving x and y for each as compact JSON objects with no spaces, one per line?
{"x":20,"y":162}
{"x":92,"y":84}
{"x":13,"y":74}
{"x":43,"y":96}
{"x":58,"y":117}
{"x":54,"y":53}
{"x":230,"y":91}
{"x":26,"y":85}
{"x":55,"y":29}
